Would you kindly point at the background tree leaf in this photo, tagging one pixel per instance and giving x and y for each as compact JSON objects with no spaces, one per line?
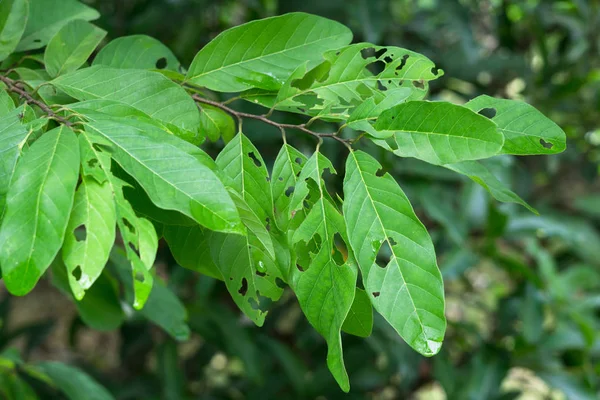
{"x":74,"y":383}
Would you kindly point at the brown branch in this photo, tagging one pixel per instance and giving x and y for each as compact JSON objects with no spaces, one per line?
{"x":240,"y":115}
{"x":13,"y":86}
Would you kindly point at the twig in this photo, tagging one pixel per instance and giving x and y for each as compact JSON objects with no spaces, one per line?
{"x":239,"y":115}
{"x":13,"y":87}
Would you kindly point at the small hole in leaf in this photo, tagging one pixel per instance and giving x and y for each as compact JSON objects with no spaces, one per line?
{"x":81,"y":233}
{"x":376,"y":294}
{"x":129,"y":226}
{"x":368,"y":52}
{"x":488,"y":112}
{"x":380,"y":172}
{"x":388,"y":59}
{"x":299,"y":267}
{"x":392,"y":241}
{"x":139,"y":276}
{"x":280,"y":178}
{"x":255,"y":159}
{"x":268,"y":226}
{"x":402,"y":63}
{"x":77,"y":273}
{"x":261,"y":274}
{"x":289,"y":191}
{"x":161,"y":63}
{"x":37,"y":40}
{"x":133,"y":248}
{"x":244,"y":289}
{"x":381,"y":86}
{"x":419,"y":84}
{"x":92,"y":163}
{"x":280,"y":283}
{"x":545,"y":144}
{"x":380,"y":52}
{"x":298,"y":161}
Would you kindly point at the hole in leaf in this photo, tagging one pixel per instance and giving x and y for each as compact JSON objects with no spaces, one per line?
{"x":92,"y":163}
{"x":419,"y":84}
{"x":384,"y":254}
{"x":487,"y":112}
{"x":255,"y":159}
{"x":546,"y":145}
{"x":368,"y":52}
{"x":244,"y":289}
{"x":377,"y":66}
{"x":300,"y":268}
{"x":298,"y":161}
{"x":77,"y":273}
{"x":161,"y":63}
{"x":392,"y":241}
{"x":376,"y":294}
{"x":289,"y":191}
{"x":388,"y":59}
{"x":402,"y":63}
{"x":280,"y":283}
{"x":129,"y":226}
{"x":261,"y":274}
{"x":280,"y":178}
{"x":139,"y":276}
{"x":37,"y":40}
{"x":380,"y":52}
{"x":133,"y":248}
{"x":268,"y":226}
{"x":81,"y":233}
{"x":380,"y":172}
{"x":381,"y":86}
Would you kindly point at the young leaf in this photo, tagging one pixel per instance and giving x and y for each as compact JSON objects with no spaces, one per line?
{"x":324,"y":282}
{"x":173,"y":179}
{"x":13,"y":19}
{"x":263,"y":53}
{"x":137,"y":52}
{"x":440,"y":132}
{"x":479,"y":174}
{"x":359,"y":321}
{"x":12,"y":134}
{"x":408,"y":291}
{"x":287,"y":167}
{"x":344,"y":80}
{"x":85,"y":257}
{"x":74,"y":383}
{"x":216,"y":123}
{"x":38,"y":205}
{"x":147,"y":91}
{"x":526,"y":130}
{"x":47,"y":17}
{"x":71,"y":47}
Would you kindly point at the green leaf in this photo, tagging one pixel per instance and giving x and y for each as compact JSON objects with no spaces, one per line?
{"x":138,"y":234}
{"x":71,"y":47}
{"x":13,"y":19}
{"x":12,"y":135}
{"x":324,"y":282}
{"x":367,"y":112}
{"x":480,"y":174}
{"x":147,"y":91}
{"x":264,"y":53}
{"x":190,"y":248}
{"x":6,"y":103}
{"x":85,"y":257}
{"x":137,"y":52}
{"x":359,"y":321}
{"x":47,"y":17}
{"x":74,"y":383}
{"x":407,"y":291}
{"x":216,"y":123}
{"x":344,"y":80}
{"x":526,"y":130}
{"x":38,"y":205}
{"x":440,"y":132}
{"x":166,"y":310}
{"x":287,"y":167}
{"x":173,"y":179}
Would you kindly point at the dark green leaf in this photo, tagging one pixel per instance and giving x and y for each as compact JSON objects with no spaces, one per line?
{"x":359,"y":321}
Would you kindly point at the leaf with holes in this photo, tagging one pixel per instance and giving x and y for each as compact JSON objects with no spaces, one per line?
{"x":216,"y":123}
{"x":348,"y":77}
{"x":137,"y":52}
{"x":408,"y":290}
{"x":263,"y":53}
{"x":147,"y":91}
{"x":47,"y":17}
{"x":13,"y":19}
{"x":366,"y":113}
{"x":359,"y":321}
{"x":439,"y":132}
{"x":38,"y":205}
{"x":324,"y":282}
{"x":526,"y":130}
{"x":12,"y":134}
{"x":138,"y":234}
{"x":287,"y":167}
{"x":173,"y":179}
{"x":85,"y":252}
{"x":481,"y":175}
{"x":71,"y":47}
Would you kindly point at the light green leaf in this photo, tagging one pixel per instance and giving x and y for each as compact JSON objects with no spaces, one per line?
{"x":263,"y":53}
{"x":71,"y":47}
{"x":216,"y":123}
{"x":13,"y":19}
{"x":85,"y":257}
{"x":12,"y":134}
{"x":137,"y":52}
{"x":173,"y":179}
{"x":147,"y":91}
{"x":254,"y":224}
{"x":190,"y":248}
{"x":480,"y":174}
{"x":74,"y":383}
{"x":366,"y":113}
{"x":408,"y":292}
{"x":440,"y":132}
{"x":359,"y":321}
{"x":526,"y":130}
{"x":46,"y":17}
{"x":6,"y":103}
{"x":324,"y":283}
{"x":38,"y":205}
{"x":138,"y":234}
{"x":344,"y":80}
{"x":287,"y":167}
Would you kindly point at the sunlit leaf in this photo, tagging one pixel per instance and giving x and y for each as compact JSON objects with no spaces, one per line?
{"x":137,"y":52}
{"x":13,"y":19}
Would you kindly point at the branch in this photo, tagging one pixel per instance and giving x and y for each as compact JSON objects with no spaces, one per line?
{"x":12,"y":86}
{"x":240,"y":115}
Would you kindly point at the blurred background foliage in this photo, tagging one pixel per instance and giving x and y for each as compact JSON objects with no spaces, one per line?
{"x":523,"y":291}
